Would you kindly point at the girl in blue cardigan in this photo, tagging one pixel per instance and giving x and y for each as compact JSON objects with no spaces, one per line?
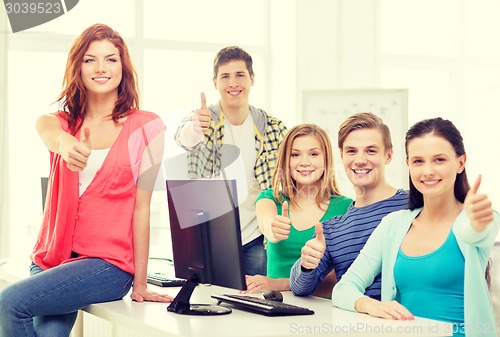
{"x":434,"y":256}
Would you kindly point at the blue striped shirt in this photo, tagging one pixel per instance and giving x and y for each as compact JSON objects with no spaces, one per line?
{"x":345,"y":236}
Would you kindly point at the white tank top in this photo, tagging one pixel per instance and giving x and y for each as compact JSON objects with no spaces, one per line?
{"x":94,"y":163}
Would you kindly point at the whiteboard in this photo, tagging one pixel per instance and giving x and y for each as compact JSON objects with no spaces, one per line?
{"x":329,"y":108}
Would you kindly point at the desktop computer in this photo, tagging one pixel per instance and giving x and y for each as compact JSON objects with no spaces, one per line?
{"x":206,"y":245}
{"x":206,"y":239}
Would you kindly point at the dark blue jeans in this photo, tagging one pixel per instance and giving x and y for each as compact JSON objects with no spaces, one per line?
{"x":46,"y":304}
{"x":255,"y":257}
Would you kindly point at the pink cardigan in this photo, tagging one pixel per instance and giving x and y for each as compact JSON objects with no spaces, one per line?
{"x":99,"y":223}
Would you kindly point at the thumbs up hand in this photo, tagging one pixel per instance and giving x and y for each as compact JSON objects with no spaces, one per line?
{"x":280,"y":226}
{"x":201,"y":118}
{"x":76,"y":153}
{"x":478,"y":207}
{"x":314,"y":249}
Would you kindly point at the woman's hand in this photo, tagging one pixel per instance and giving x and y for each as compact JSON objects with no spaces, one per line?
{"x":258,"y":283}
{"x":75,"y":153}
{"x":280,"y":226}
{"x":141,"y":294}
{"x":478,"y":207}
{"x":387,"y":310}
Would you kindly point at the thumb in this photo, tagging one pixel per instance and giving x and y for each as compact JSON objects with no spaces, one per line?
{"x":203,"y":101}
{"x":476,"y":185}
{"x":86,"y":137}
{"x":319,"y":232}
{"x":284,"y":209}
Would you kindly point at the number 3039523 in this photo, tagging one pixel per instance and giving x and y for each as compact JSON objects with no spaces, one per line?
{"x":33,"y":7}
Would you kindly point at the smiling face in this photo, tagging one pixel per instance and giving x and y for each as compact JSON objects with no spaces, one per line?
{"x":101,"y":69}
{"x":307,"y":161}
{"x":433,"y":165}
{"x":234,"y":83}
{"x":364,"y":157}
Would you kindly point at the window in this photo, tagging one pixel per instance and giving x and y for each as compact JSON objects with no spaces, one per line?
{"x":442,"y":51}
{"x":423,"y":28}
{"x":88,"y":12}
{"x":215,"y":21}
{"x":172,"y":47}
{"x":34,"y":80}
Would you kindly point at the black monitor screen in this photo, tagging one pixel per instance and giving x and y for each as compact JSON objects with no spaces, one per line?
{"x":205,"y":229}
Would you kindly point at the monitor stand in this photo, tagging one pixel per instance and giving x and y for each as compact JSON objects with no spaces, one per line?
{"x":181,"y":305}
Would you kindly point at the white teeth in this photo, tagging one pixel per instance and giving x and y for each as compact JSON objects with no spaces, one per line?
{"x":430,"y":182}
{"x":101,"y":78}
{"x":305,"y":172}
{"x":361,"y":171}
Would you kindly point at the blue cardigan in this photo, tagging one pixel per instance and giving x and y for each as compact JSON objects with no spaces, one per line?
{"x":380,"y":252}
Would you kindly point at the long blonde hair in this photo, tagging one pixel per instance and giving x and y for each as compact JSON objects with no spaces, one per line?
{"x":284,"y":185}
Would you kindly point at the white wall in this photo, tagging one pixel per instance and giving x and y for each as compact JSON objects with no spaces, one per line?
{"x":282,"y":75}
{"x":4,"y":178}
{"x":336,"y":44}
{"x":336,"y":49}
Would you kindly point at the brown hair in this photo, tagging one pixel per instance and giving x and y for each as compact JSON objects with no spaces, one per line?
{"x":447,"y":130}
{"x":364,"y":120}
{"x":282,"y":182}
{"x":232,"y":53}
{"x":73,"y":97}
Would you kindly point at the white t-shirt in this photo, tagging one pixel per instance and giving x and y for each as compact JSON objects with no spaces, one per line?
{"x":94,"y":163}
{"x":242,"y":170}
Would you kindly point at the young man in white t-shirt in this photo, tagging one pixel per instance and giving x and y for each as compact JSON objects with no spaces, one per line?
{"x":233,"y":121}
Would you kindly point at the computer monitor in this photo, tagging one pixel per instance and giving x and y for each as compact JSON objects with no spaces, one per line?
{"x":206,"y":239}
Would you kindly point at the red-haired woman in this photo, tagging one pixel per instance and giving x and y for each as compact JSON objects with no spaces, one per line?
{"x":104,"y":156}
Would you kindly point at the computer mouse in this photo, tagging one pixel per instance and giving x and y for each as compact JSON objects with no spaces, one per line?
{"x":273,"y":295}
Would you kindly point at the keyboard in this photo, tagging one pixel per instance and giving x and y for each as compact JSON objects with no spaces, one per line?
{"x":262,"y":306}
{"x":163,"y":280}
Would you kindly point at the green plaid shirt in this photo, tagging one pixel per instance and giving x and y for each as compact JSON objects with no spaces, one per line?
{"x":204,"y":159}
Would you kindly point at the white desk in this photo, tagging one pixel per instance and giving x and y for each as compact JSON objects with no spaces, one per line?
{"x":152,"y":319}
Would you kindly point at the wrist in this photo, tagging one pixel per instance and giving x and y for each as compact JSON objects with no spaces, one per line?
{"x":188,"y":137}
{"x":142,"y":283}
{"x":62,"y":140}
{"x":270,"y":236}
{"x":361,"y":304}
{"x":285,"y":284}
